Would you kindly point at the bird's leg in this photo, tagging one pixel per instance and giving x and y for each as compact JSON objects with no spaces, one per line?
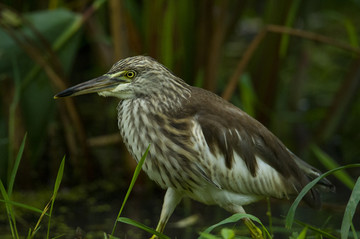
{"x":255,"y":232}
{"x":171,"y":200}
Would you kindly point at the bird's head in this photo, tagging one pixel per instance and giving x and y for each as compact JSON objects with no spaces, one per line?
{"x":129,"y":78}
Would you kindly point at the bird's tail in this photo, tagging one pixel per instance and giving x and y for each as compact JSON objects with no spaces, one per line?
{"x":312,"y":198}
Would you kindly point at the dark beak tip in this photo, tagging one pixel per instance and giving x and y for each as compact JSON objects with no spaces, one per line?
{"x":57,"y":96}
{"x":64,"y":93}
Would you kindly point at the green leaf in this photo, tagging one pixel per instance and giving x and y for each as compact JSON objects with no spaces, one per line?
{"x":303,"y":233}
{"x":16,"y":166}
{"x":11,"y":215}
{"x":133,"y":180}
{"x":354,"y":231}
{"x":350,"y":210}
{"x":247,"y":94}
{"x":167,"y":51}
{"x":30,"y":208}
{"x":317,"y":230}
{"x":352,"y":32}
{"x":291,"y":16}
{"x":110,"y":236}
{"x":11,"y":128}
{"x":142,"y":226}
{"x":291,"y":214}
{"x":329,"y":163}
{"x":234,"y":218}
{"x":56,"y":188}
{"x":208,"y":236}
{"x":59,"y":177}
{"x":227,"y":233}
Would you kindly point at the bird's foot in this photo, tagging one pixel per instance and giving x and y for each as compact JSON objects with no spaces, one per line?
{"x":255,"y":232}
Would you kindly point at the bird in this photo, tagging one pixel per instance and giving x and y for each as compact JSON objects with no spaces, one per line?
{"x":201,"y":146}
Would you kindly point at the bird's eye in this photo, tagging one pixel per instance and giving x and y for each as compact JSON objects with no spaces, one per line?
{"x":130,"y":74}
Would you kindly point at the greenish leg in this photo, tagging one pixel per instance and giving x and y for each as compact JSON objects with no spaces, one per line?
{"x":154,"y":237}
{"x":160,"y":228}
{"x":255,"y":232}
{"x":171,"y":199}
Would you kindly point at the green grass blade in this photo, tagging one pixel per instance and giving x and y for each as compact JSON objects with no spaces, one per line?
{"x":351,"y":30}
{"x":247,"y":94}
{"x":167,"y":51}
{"x":110,"y":237}
{"x":12,"y":115}
{"x":15,"y":167}
{"x":37,"y":226}
{"x":208,"y":236}
{"x":302,"y":235}
{"x":133,"y":180}
{"x":32,"y":233}
{"x":17,"y":204}
{"x":317,"y":230}
{"x":10,"y":213}
{"x":329,"y":163}
{"x":289,"y":22}
{"x":270,"y":218}
{"x":59,"y":236}
{"x":29,"y":234}
{"x":142,"y":226}
{"x":56,"y":188}
{"x":354,"y":231}
{"x":59,"y":177}
{"x":291,"y":214}
{"x":350,"y":210}
{"x":227,"y":233}
{"x":234,"y":218}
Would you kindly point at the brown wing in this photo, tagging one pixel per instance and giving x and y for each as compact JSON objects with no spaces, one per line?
{"x":230,"y":131}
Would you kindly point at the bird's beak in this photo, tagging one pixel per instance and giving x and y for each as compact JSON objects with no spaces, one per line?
{"x":102,"y":83}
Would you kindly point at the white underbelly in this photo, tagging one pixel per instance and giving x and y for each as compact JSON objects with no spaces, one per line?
{"x":211,"y":195}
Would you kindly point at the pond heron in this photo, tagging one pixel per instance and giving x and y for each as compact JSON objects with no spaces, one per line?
{"x":201,"y":146}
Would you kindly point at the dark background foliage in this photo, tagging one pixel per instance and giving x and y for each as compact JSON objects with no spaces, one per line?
{"x":293,"y":65}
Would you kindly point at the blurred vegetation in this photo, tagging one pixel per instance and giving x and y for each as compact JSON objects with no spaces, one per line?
{"x":293,"y":65}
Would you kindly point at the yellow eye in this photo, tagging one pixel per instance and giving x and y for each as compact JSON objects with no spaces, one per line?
{"x":130,"y":74}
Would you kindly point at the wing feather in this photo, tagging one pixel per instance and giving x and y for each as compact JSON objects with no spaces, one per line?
{"x":243,"y":148}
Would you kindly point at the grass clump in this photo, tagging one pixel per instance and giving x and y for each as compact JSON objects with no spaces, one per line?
{"x":9,"y":203}
{"x":303,"y":230}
